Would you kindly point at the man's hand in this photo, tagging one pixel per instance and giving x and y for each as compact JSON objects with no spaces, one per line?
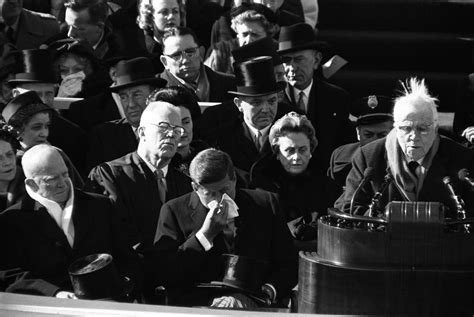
{"x":215,"y":222}
{"x":468,"y":133}
{"x":64,"y":294}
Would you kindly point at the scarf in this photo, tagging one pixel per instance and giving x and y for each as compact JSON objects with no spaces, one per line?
{"x":408,"y":185}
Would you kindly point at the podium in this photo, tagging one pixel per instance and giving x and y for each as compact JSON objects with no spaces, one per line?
{"x":411,"y":261}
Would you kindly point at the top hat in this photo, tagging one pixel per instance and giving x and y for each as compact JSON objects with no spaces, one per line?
{"x":262,"y":47}
{"x":96,"y":277}
{"x":372,"y":109}
{"x":242,"y":273}
{"x":297,"y":37}
{"x":35,"y":66}
{"x":28,"y":103}
{"x":134,"y":72}
{"x":255,"y":77}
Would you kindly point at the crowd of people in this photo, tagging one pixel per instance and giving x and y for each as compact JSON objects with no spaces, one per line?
{"x":134,"y":168}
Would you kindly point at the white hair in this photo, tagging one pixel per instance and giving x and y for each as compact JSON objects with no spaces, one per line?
{"x":415,"y":94}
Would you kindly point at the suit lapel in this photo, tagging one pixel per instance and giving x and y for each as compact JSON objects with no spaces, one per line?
{"x":48,"y":227}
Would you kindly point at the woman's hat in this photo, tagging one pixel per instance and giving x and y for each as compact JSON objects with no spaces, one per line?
{"x":96,"y":277}
{"x":134,"y":72}
{"x":242,"y":273}
{"x":74,"y":46}
{"x":261,"y":47}
{"x":28,"y":103}
{"x":297,"y":37}
{"x":35,"y":66}
{"x":255,"y":77}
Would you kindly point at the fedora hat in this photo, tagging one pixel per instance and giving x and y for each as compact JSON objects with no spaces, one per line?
{"x":255,"y":77}
{"x":297,"y":37}
{"x":28,"y":103}
{"x":243,"y":274}
{"x":261,"y":47}
{"x":372,"y":109}
{"x":96,"y":277}
{"x":134,"y":72}
{"x":35,"y":66}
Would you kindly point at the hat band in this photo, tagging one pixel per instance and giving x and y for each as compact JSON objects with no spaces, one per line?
{"x":258,"y":89}
{"x":131,"y":78}
{"x":34,"y":76}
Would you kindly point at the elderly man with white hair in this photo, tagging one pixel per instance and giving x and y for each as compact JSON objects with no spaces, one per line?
{"x":415,"y":157}
{"x":142,"y":181}
{"x":54,"y":225}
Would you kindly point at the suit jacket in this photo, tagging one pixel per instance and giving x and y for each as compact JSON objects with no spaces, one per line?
{"x":94,"y":110}
{"x":36,"y":246}
{"x":449,"y":159}
{"x":110,"y":140}
{"x":219,"y":84}
{"x":133,"y":187}
{"x":34,"y":28}
{"x":178,"y":259}
{"x":340,"y":164}
{"x":328,"y":111}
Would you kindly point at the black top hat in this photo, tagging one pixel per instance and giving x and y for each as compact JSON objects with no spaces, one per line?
{"x":372,"y":109}
{"x":262,"y":47}
{"x":242,"y":273}
{"x":255,"y":77}
{"x":136,"y":71}
{"x":96,"y":277}
{"x":28,"y":104}
{"x":35,"y":66}
{"x":297,"y":37}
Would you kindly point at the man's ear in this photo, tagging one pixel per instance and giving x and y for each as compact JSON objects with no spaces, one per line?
{"x":238,"y":103}
{"x":202,"y":52}
{"x":141,"y":133}
{"x":164,"y":61}
{"x":317,"y":59}
{"x":31,"y":184}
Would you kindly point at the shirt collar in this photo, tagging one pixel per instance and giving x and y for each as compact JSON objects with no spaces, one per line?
{"x":254,"y":131}
{"x":152,"y":168}
{"x":53,"y":207}
{"x":98,"y":42}
{"x":306,"y":91}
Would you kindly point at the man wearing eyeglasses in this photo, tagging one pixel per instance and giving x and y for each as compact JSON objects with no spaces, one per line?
{"x":183,"y":61}
{"x":141,"y":181}
{"x":414,"y":155}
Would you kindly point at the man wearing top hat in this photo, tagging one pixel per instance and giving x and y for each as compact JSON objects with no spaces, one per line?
{"x":135,"y":81}
{"x":374,"y":121}
{"x":194,"y":230}
{"x":256,"y":97}
{"x":183,"y":61}
{"x":141,"y":181}
{"x":55,"y":224}
{"x":24,"y":28}
{"x":36,"y":73}
{"x":326,"y":105}
{"x":215,"y":117}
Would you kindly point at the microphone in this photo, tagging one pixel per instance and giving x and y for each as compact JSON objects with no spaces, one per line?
{"x":368,"y":173}
{"x":461,"y":213}
{"x":375,"y":200}
{"x":463,"y":175}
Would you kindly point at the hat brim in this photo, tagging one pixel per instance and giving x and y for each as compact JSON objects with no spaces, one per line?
{"x":280,"y":86}
{"x":159,"y":82}
{"x":33,"y":81}
{"x":317,"y":45}
{"x":127,"y":287}
{"x":226,"y":286}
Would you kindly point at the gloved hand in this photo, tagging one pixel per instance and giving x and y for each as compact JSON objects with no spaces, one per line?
{"x":71,"y":85}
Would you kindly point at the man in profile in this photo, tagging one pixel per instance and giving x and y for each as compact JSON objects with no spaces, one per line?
{"x":414,"y":155}
{"x":54,"y":225}
{"x":194,"y":230}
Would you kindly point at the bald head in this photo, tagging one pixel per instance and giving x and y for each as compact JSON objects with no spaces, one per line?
{"x":158,"y":110}
{"x":46,"y":173}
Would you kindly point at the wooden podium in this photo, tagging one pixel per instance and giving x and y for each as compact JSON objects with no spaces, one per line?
{"x":411,"y":261}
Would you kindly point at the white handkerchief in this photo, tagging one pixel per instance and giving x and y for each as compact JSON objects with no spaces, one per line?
{"x":232,"y":211}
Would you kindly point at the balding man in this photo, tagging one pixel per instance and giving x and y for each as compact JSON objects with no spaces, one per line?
{"x":415,"y":156}
{"x":141,"y":181}
{"x":54,"y":225}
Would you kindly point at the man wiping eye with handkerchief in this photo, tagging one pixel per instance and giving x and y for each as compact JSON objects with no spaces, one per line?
{"x":199,"y":232}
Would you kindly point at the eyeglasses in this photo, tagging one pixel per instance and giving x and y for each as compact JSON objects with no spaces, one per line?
{"x":178,"y":56}
{"x":165,"y":127}
{"x":422,"y":129}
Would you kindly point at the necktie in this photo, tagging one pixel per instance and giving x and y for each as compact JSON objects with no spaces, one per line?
{"x":300,"y":103}
{"x":412,"y":166}
{"x":161,"y":181}
{"x":258,"y":140}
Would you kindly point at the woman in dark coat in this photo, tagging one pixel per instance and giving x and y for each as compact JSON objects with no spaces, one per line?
{"x":293,"y":173}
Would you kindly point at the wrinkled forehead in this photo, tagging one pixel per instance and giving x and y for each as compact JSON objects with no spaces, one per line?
{"x":419,"y":112}
{"x":163,"y":114}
